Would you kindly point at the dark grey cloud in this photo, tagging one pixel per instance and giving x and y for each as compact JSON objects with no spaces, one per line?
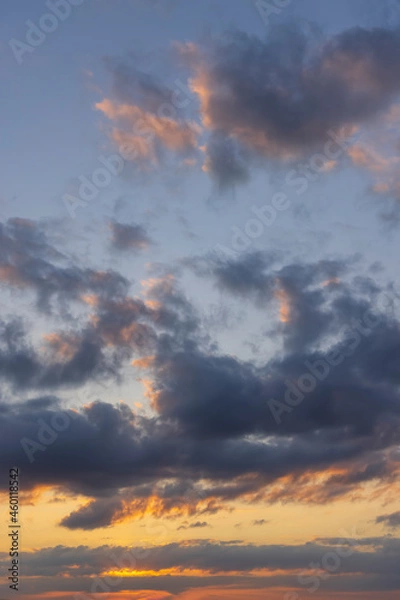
{"x":245,"y":276}
{"x":212,"y":397}
{"x":279,"y":98}
{"x":29,"y":261}
{"x":155,"y":128}
{"x":125,"y":237}
{"x":96,"y":514}
{"x":391,"y":520}
{"x":260,"y":522}
{"x":122,"y":460}
{"x":25,"y":367}
{"x":226,"y":162}
{"x":360,"y":569}
{"x":119,"y":328}
{"x":132,"y":84}
{"x":95,"y":345}
{"x":304,"y":289}
{"x":212,"y":423}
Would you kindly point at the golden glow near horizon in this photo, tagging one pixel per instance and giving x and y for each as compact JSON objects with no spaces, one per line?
{"x":290,"y":523}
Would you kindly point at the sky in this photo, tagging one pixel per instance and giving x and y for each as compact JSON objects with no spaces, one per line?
{"x":199,"y":327}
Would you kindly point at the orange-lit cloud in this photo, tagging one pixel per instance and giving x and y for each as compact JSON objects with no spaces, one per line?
{"x":202,"y":86}
{"x":377,"y":154}
{"x":34,"y":496}
{"x":221,"y":593}
{"x":188,"y":51}
{"x":228,"y":593}
{"x":125,"y":335}
{"x":154,"y":285}
{"x":61,"y":346}
{"x":144,"y":594}
{"x":127,"y":507}
{"x":329,"y":165}
{"x":171,"y":572}
{"x":331,"y":281}
{"x":11,"y":275}
{"x":364,"y":156}
{"x":284,"y":305}
{"x":354,"y":70}
{"x":143,"y":363}
{"x":134,"y":147}
{"x":141,"y":129}
{"x":334,"y":483}
{"x":206,"y":87}
{"x":90,"y":299}
{"x":150,"y":391}
{"x":124,"y":328}
{"x":381,"y":187}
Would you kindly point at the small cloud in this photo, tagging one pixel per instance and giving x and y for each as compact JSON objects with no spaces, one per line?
{"x":140,"y":134}
{"x":197,"y":525}
{"x":129,"y":236}
{"x":260,"y":522}
{"x":392,"y":520}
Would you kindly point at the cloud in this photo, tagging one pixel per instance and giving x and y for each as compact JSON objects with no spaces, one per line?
{"x":210,"y":436}
{"x":127,"y":237}
{"x":196,"y":525}
{"x":29,"y":261}
{"x":224,"y":162}
{"x":377,"y":156}
{"x":133,"y":466}
{"x":297,"y":290}
{"x":106,"y":326}
{"x":142,"y":135}
{"x":278,"y":99}
{"x":191,"y":565}
{"x":262,"y":102}
{"x":74,"y":360}
{"x":132,"y":85}
{"x":101,"y":513}
{"x":392,"y":520}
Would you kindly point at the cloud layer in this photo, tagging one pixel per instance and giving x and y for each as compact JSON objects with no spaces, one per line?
{"x":325,"y":409}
